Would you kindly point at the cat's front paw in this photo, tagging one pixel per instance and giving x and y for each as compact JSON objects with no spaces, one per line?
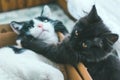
{"x":24,"y":40}
{"x":18,"y":42}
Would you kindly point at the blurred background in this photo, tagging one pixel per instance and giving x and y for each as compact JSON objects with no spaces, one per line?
{"x":21,"y":10}
{"x":66,"y":11}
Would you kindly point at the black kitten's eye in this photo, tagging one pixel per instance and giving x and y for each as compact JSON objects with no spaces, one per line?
{"x":76,"y":33}
{"x":46,"y":21}
{"x":84,"y":45}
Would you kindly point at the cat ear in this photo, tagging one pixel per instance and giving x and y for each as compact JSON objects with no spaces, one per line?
{"x":16,"y":26}
{"x":112,"y":38}
{"x":93,"y":16}
{"x":46,"y":11}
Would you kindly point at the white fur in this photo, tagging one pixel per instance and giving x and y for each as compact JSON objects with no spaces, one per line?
{"x":48,"y":36}
{"x":26,"y":66}
{"x":19,"y":43}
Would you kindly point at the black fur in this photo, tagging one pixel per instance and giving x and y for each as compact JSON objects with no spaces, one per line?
{"x":17,"y":50}
{"x":91,"y":42}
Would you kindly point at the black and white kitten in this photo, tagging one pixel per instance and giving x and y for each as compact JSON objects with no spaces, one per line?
{"x":23,"y":64}
{"x":40,"y":27}
{"x":90,"y":42}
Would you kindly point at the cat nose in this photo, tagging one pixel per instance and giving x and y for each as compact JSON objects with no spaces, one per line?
{"x":40,"y":25}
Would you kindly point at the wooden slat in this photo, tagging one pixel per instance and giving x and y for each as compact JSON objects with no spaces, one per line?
{"x":4,"y":5}
{"x":12,"y":4}
{"x":63,"y":5}
{"x":21,"y":4}
{"x":7,"y":38}
{"x":0,"y":6}
{"x":72,"y":73}
{"x":83,"y":71}
{"x":38,"y":2}
{"x":31,"y":3}
{"x":5,"y":28}
{"x":8,"y":5}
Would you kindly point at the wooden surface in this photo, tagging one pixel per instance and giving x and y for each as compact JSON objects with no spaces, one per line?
{"x":6,"y":5}
{"x":7,"y":36}
{"x":5,"y":28}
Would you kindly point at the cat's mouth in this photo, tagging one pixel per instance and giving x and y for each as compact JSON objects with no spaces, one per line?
{"x":43,"y":30}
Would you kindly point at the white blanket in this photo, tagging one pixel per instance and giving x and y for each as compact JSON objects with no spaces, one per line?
{"x":26,"y":66}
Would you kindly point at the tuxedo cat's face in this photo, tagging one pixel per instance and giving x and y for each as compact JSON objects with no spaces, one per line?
{"x":40,"y":27}
{"x":92,"y":38}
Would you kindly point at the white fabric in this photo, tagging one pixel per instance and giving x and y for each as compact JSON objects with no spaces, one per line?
{"x":26,"y":66}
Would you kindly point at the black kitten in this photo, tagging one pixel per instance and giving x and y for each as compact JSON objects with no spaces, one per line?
{"x":91,"y":42}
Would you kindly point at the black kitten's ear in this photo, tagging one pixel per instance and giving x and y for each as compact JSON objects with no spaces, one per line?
{"x":112,"y":38}
{"x":93,"y":16}
{"x":46,"y":11}
{"x":16,"y":26}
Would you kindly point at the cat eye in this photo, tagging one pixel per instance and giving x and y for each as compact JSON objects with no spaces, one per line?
{"x":84,"y":45}
{"x":45,"y":21}
{"x":76,"y":33}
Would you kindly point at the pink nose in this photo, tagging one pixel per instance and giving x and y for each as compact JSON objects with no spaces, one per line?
{"x":40,"y":25}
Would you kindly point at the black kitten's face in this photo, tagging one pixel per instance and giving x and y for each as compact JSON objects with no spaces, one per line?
{"x":92,"y":38}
